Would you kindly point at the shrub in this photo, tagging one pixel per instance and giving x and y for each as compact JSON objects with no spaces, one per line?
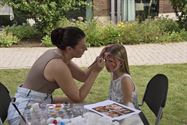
{"x":130,"y":33}
{"x":110,"y":34}
{"x":74,"y":22}
{"x":48,"y":12}
{"x":149,"y":31}
{"x":171,"y":37}
{"x":46,"y":41}
{"x":167,"y":25}
{"x":94,"y":34}
{"x":7,"y":39}
{"x":183,"y":34}
{"x":180,"y":8}
{"x":23,"y":31}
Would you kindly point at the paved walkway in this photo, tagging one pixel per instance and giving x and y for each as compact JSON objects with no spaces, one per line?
{"x":145,"y":54}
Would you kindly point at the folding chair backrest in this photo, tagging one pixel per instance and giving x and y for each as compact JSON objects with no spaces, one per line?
{"x":5,"y":100}
{"x":156,"y":93}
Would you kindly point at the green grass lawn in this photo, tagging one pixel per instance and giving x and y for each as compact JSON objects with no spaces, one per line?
{"x":175,"y":112}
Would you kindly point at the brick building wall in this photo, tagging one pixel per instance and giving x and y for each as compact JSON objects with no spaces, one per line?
{"x":101,"y":7}
{"x":165,"y":6}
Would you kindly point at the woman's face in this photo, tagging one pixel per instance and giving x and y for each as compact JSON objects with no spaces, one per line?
{"x":112,"y":63}
{"x":80,"y":48}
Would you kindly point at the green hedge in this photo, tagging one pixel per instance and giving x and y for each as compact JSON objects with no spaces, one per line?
{"x":149,"y":31}
{"x":23,"y":31}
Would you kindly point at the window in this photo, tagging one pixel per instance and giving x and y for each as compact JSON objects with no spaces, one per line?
{"x":146,"y":8}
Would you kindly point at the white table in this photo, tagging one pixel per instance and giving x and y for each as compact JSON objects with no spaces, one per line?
{"x":86,"y":118}
{"x":91,"y":118}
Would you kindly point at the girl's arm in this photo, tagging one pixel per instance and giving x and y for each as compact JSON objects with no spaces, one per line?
{"x":127,"y":89}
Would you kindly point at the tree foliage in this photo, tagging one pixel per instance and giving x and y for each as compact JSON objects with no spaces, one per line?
{"x":180,"y":8}
{"x":46,"y":13}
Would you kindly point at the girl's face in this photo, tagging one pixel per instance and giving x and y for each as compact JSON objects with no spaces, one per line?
{"x":112,"y":63}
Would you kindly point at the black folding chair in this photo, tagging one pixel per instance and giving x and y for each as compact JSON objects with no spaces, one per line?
{"x":155,"y":97}
{"x":5,"y":101}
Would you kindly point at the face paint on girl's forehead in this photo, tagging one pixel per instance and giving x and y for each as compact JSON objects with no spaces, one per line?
{"x":107,"y":55}
{"x":110,"y":56}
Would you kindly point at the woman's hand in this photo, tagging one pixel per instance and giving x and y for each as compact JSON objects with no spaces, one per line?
{"x":104,"y":50}
{"x":101,"y":55}
{"x":100,"y":63}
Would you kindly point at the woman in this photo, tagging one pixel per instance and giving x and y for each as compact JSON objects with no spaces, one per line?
{"x":54,"y":69}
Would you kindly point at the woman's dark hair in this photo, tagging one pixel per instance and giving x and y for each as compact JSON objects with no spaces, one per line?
{"x":67,"y":36}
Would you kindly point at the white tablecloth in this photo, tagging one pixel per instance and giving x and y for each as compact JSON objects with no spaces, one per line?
{"x":41,"y":117}
{"x":90,"y":118}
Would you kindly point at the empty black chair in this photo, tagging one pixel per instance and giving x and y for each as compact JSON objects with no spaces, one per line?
{"x":155,"y":97}
{"x":4,"y":102}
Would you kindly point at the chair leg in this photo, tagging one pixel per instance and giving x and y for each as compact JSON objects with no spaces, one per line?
{"x":19,"y":113}
{"x":143,"y":118}
{"x":159,"y":116}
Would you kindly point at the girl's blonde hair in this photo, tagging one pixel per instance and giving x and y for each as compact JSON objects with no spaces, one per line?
{"x":119,"y":52}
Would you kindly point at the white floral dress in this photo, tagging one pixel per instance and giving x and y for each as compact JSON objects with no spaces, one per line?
{"x":116,"y":94}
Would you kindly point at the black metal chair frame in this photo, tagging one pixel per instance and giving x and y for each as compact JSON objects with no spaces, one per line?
{"x":6,"y":100}
{"x":155,"y":97}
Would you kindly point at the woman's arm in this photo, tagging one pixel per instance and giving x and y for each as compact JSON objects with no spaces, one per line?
{"x":80,"y":74}
{"x":62,"y":75}
{"x":58,"y":99}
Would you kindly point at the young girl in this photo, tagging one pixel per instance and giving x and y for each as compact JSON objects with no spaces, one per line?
{"x":122,"y":88}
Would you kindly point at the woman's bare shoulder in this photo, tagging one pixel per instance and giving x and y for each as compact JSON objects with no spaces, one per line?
{"x":55,"y":67}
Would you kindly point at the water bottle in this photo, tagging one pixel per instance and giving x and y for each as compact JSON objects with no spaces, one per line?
{"x":38,"y":114}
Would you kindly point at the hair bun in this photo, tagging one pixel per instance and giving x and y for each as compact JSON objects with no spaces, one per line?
{"x":67,"y":36}
{"x":57,"y":36}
